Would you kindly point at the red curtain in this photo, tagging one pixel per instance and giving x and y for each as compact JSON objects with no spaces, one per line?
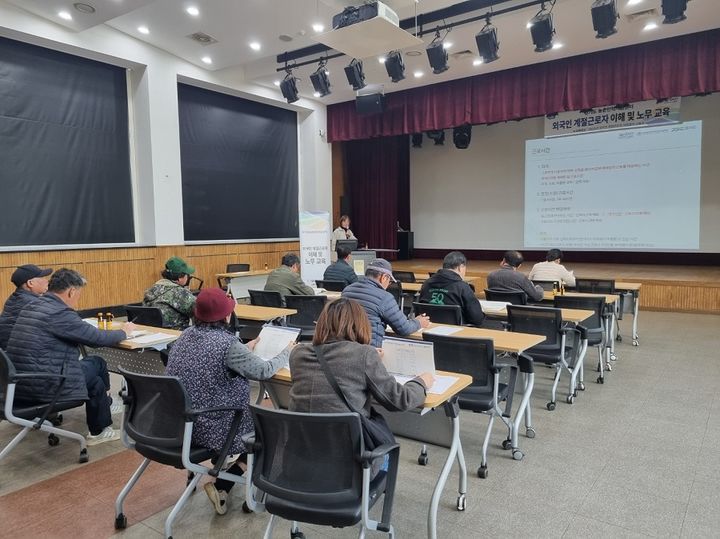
{"x":377,"y":173}
{"x":678,"y":66}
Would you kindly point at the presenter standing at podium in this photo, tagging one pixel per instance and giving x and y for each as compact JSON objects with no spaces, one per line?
{"x":342,"y":232}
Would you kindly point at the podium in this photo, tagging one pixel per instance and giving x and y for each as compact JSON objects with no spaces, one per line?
{"x":361,"y":258}
{"x":405,"y":242}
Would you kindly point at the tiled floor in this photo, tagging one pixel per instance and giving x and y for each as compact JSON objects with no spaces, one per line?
{"x":638,"y":456}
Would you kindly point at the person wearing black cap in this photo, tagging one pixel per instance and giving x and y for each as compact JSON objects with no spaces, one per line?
{"x":31,"y":282}
{"x":171,"y":295}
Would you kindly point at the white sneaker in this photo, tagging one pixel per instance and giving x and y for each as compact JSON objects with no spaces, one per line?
{"x":107,"y":435}
{"x":217,"y":497}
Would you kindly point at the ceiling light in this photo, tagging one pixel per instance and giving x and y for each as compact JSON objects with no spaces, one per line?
{"x":674,"y":11}
{"x":652,"y":25}
{"x":192,"y":10}
{"x":542,"y":30}
{"x":447,"y":44}
{"x":529,"y":25}
{"x":477,"y":62}
{"x":604,"y":18}
{"x":320,"y":80}
{"x":418,"y":74}
{"x":254,"y":45}
{"x":634,"y":2}
{"x":143,"y":30}
{"x":276,"y":82}
{"x":207,"y":60}
{"x":288,"y":87}
{"x":487,"y":43}
{"x":557,"y":46}
{"x":317,"y":94}
{"x":437,"y":55}
{"x":382,"y":59}
{"x":65,"y":15}
{"x":394,"y":66}
{"x":354,"y":74}
{"x":318,"y":27}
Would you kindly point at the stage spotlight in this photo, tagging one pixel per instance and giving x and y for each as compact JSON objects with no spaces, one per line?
{"x":417,"y":140}
{"x":542,"y":30}
{"x":674,"y":11}
{"x":355,"y":75}
{"x":394,"y":66}
{"x":437,"y":55}
{"x":438,"y":136}
{"x":461,"y":136}
{"x":288,"y":87}
{"x":320,"y":80}
{"x":487,"y":42}
{"x":604,"y":17}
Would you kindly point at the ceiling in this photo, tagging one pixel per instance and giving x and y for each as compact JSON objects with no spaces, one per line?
{"x":278,"y":26}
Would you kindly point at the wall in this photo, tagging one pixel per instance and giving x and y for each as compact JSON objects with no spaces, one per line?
{"x":473,"y":199}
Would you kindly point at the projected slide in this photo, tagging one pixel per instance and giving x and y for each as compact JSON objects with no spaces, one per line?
{"x":633,"y":189}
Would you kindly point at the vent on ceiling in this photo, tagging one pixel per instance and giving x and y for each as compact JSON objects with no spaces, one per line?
{"x":285,"y":38}
{"x":459,"y":55}
{"x":641,"y":15}
{"x":202,"y":38}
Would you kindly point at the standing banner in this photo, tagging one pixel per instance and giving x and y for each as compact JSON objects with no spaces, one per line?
{"x":314,"y":244}
{"x":638,"y":114}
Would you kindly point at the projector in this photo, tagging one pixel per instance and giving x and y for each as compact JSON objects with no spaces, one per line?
{"x":353,"y":15}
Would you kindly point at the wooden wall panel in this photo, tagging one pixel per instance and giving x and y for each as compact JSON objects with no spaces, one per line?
{"x":119,"y":276}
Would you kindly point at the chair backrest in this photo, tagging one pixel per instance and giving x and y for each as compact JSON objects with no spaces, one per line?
{"x":156,"y":412}
{"x":474,"y":357}
{"x":311,"y":459}
{"x":547,"y":285}
{"x":7,"y":373}
{"x":516,"y":297}
{"x":265,"y":298}
{"x":404,"y":276}
{"x":544,"y":321}
{"x":440,"y":314}
{"x":332,"y":286}
{"x":595,"y":286}
{"x":146,"y":316}
{"x":587,"y":303}
{"x":234,"y":268}
{"x":396,"y":290}
{"x":308,"y":310}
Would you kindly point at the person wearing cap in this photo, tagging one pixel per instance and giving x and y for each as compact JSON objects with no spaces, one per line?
{"x":380,"y":305}
{"x":214,"y":368}
{"x":30,"y":282}
{"x":552,"y":269}
{"x":286,"y":279}
{"x":171,"y":295}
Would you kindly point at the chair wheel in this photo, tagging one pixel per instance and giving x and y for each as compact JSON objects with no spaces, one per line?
{"x":507,"y":444}
{"x":84,"y":457}
{"x":461,"y":502}
{"x":635,"y":342}
{"x":600,"y":380}
{"x":56,"y":420}
{"x":246,"y":508}
{"x":581,"y":386}
{"x":570,"y":399}
{"x":423,"y":459}
{"x":482,"y":472}
{"x":618,"y":338}
{"x":613,"y":357}
{"x":517,"y":454}
{"x":530,"y":432}
{"x":550,"y":406}
{"x":120,"y":522}
{"x":297,"y":535}
{"x":53,"y":440}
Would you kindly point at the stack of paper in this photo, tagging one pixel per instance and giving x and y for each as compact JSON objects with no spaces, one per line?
{"x":442,"y":330}
{"x":274,"y":339}
{"x":151,"y":339}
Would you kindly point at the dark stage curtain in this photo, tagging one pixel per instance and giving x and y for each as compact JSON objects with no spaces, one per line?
{"x":378,"y":179}
{"x":678,"y":66}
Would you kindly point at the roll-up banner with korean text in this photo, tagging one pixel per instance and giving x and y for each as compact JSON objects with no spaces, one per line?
{"x":638,"y":114}
{"x":314,"y":244}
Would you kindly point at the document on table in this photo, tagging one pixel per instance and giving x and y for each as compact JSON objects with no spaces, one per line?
{"x":441,"y":385}
{"x":442,"y":330}
{"x":151,"y":339}
{"x":274,"y":339}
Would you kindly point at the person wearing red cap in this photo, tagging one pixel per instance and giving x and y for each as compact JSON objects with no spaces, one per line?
{"x":31,"y":282}
{"x":214,"y":368}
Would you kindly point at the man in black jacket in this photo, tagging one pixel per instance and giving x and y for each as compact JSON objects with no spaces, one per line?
{"x":448,"y":287}
{"x":31,"y":282}
{"x":341,"y":270}
{"x":46,"y":338}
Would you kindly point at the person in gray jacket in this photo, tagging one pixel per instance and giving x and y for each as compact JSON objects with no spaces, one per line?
{"x":509,"y":278}
{"x":341,"y":270}
{"x":379,"y":304}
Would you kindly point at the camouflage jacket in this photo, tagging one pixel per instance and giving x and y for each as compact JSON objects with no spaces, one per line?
{"x":174,"y":301}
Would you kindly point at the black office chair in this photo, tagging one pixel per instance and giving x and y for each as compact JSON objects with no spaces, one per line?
{"x":515,"y":297}
{"x":397,"y":292}
{"x":314,"y":468}
{"x":548,"y":285}
{"x":31,"y":416}
{"x":440,"y":314}
{"x":476,"y":357}
{"x":404,"y":276}
{"x":595,"y":286}
{"x":593,"y":330}
{"x":232,"y":268}
{"x":560,"y":347}
{"x":308,"y":311}
{"x":265,"y":298}
{"x":146,"y":316}
{"x":332,"y":286}
{"x":158,"y":423}
{"x":195,"y":291}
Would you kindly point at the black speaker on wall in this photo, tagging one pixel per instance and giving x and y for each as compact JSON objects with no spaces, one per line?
{"x":370,"y":104}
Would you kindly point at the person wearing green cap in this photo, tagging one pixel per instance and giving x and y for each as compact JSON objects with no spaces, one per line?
{"x":171,"y":295}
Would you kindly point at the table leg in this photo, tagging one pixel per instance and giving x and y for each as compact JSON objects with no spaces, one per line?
{"x":578,"y":370}
{"x":452,"y":411}
{"x":523,"y":411}
{"x":613,"y":322}
{"x":636,"y":301}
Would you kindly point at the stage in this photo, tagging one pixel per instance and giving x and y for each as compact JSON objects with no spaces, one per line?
{"x":691,"y":289}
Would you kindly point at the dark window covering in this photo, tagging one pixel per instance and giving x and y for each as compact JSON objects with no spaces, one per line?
{"x":239,"y":167}
{"x":678,"y":66}
{"x":64,"y":149}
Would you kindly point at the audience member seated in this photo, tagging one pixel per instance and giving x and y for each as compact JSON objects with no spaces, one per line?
{"x":448,"y":287}
{"x":342,"y":232}
{"x":46,"y":338}
{"x":552,"y":269}
{"x":171,"y":294}
{"x":286,"y":279}
{"x":30,"y":282}
{"x":509,"y":278}
{"x":341,"y":270}
{"x":380,"y":305}
{"x":214,"y":368}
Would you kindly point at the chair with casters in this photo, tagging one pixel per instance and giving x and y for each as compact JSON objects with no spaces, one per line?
{"x":146,"y":316}
{"x":331,"y":286}
{"x":308,"y":311}
{"x":232,"y":268}
{"x":30,"y":415}
{"x":404,"y":276}
{"x":314,"y":469}
{"x":548,"y":285}
{"x":603,"y":286}
{"x":397,"y":292}
{"x":440,"y":314}
{"x":265,"y":298}
{"x":560,"y":349}
{"x":158,"y":423}
{"x":515,"y":297}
